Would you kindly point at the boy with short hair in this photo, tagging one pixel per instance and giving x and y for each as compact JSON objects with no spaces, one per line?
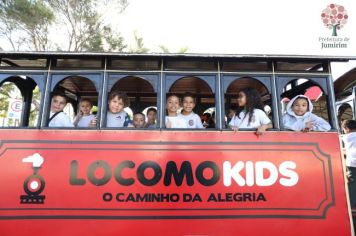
{"x":192,"y":119}
{"x":151,"y":117}
{"x":57,"y":117}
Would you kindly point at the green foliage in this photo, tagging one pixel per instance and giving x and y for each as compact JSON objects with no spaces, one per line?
{"x":139,"y":46}
{"x":5,"y":93}
{"x":36,"y":98}
{"x":166,"y":50}
{"x":26,"y":22}
{"x":85,"y":26}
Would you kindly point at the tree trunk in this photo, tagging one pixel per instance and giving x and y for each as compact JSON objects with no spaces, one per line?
{"x":334,"y":30}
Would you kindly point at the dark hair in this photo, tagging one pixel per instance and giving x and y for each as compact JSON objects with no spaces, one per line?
{"x":151,"y":109}
{"x":253,"y":101}
{"x":173,"y":95}
{"x":187,"y":94}
{"x":140,"y":113}
{"x":60,"y":94}
{"x":120,"y":95}
{"x":349,"y":124}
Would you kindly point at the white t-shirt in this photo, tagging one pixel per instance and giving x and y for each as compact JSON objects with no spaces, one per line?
{"x":85,"y":121}
{"x":350,"y":146}
{"x":259,"y":118}
{"x":60,"y":120}
{"x":193,"y":121}
{"x":177,"y":122}
{"x":117,"y":120}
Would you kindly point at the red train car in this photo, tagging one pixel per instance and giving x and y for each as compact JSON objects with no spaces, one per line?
{"x":160,"y":181}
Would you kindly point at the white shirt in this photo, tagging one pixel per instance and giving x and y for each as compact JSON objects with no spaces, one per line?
{"x":60,"y":120}
{"x":117,"y":119}
{"x":176,"y":122}
{"x":350,"y":146}
{"x":193,"y":121}
{"x":84,"y":121}
{"x":259,"y":118}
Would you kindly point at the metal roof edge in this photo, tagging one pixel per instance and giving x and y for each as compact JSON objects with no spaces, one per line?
{"x":168,"y":55}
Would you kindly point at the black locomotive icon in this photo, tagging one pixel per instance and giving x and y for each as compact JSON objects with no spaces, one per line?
{"x":33,"y":184}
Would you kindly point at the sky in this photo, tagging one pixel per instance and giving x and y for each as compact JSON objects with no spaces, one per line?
{"x":237,"y":27}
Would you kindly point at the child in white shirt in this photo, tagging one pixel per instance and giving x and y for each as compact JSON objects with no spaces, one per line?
{"x":57,"y":117}
{"x":299,"y":116}
{"x":172,"y":119}
{"x":193,"y":120}
{"x":349,"y":128}
{"x":84,"y":118}
{"x":250,"y":114}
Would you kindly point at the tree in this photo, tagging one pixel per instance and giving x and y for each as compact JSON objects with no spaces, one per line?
{"x":166,"y":50}
{"x":6,"y":90}
{"x":85,"y":26}
{"x":26,"y":22}
{"x":139,"y":46}
{"x":334,"y":17}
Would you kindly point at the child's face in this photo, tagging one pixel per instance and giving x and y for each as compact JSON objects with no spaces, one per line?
{"x":139,"y":121}
{"x":173,"y":104}
{"x":241,"y":99}
{"x":151,"y":117}
{"x":116,"y":105}
{"x":188,"y":104}
{"x":58,"y":103}
{"x":300,"y":106}
{"x":85,"y":107}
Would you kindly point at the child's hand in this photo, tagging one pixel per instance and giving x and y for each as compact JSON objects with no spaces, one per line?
{"x":260,"y":130}
{"x":93,"y":122}
{"x":308,"y":126}
{"x":168,"y":124}
{"x":234,"y":128}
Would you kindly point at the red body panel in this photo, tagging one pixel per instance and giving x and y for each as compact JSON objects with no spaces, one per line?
{"x":81,"y":190}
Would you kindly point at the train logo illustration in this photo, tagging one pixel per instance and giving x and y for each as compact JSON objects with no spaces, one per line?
{"x":33,"y":184}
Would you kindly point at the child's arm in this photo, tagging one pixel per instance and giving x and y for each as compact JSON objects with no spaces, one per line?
{"x":93,"y":122}
{"x":77,"y":118}
{"x":260,"y":130}
{"x":319,"y":124}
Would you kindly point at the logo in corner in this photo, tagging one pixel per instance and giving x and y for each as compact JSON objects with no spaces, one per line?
{"x":334,"y":17}
{"x":34,"y":184}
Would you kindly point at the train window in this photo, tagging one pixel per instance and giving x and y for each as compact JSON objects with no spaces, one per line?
{"x":310,"y":89}
{"x":77,"y":63}
{"x":20,"y":100}
{"x":23,"y":63}
{"x":301,"y":66}
{"x":192,"y":65}
{"x":82,"y":100}
{"x":245,"y":66}
{"x":130,"y":64}
{"x":235,"y":84}
{"x":141,"y":92}
{"x":199,"y":87}
{"x":11,"y":105}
